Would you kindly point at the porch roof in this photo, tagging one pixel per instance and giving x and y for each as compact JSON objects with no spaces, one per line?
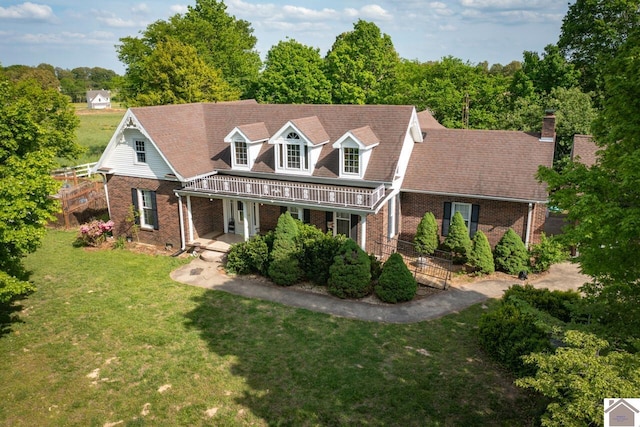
{"x":287,"y":192}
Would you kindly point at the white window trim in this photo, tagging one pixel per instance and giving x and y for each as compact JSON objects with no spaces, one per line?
{"x":234,"y":153}
{"x":144,"y":152}
{"x":298,"y":211}
{"x":142,"y":210}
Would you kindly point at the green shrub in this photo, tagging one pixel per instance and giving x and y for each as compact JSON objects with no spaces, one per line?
{"x":350,"y":273}
{"x":508,"y":333}
{"x":284,"y":268}
{"x":427,"y":239}
{"x":510,"y":255}
{"x":546,"y":253}
{"x":458,"y":241}
{"x":481,"y":256}
{"x":558,"y":304}
{"x":247,"y":257}
{"x":396,"y":283}
{"x":317,"y":256}
{"x":376,"y":267}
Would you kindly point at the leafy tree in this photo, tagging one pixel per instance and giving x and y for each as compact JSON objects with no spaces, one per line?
{"x":458,"y":240}
{"x":546,"y":253}
{"x":350,"y":273}
{"x":579,"y":376}
{"x":547,"y":72}
{"x":510,"y":254}
{"x":427,"y":239}
{"x":396,"y":283}
{"x":293,"y":75}
{"x":174,"y":74}
{"x":481,"y":256}
{"x":362,"y":65}
{"x":220,"y":40}
{"x":285,"y":266}
{"x":591,"y":33}
{"x":36,"y":125}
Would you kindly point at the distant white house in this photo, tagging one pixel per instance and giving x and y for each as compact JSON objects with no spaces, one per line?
{"x":98,"y":99}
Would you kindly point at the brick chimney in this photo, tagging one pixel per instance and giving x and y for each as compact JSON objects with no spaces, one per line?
{"x":548,"y":127}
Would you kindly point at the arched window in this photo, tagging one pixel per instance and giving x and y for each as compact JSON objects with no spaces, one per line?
{"x":294,"y":153}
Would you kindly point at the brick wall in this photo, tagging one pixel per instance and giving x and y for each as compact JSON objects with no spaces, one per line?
{"x":496,"y":217}
{"x":377,"y":229}
{"x":207,"y":216}
{"x":119,"y":188}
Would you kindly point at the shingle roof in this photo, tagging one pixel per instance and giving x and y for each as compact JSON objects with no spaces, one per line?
{"x":312,"y":129}
{"x":91,"y":94}
{"x":366,"y":136}
{"x":191,"y":135}
{"x":427,"y":121}
{"x":492,"y":164}
{"x":255,"y":131}
{"x":584,"y":150}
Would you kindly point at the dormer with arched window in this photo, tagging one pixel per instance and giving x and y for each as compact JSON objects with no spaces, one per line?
{"x":297,"y":146}
{"x":355,"y":151}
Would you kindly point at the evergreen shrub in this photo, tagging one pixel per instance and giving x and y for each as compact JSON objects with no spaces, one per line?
{"x":396,"y":283}
{"x":510,"y":255}
{"x":458,"y":241}
{"x":284,"y":268}
{"x":427,"y":239}
{"x":247,"y":257}
{"x":546,"y":253}
{"x":481,"y":256}
{"x":350,"y":273}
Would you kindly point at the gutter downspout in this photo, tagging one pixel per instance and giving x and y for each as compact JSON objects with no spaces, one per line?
{"x":529,"y":225}
{"x":106,"y":192}
{"x":180,"y":218}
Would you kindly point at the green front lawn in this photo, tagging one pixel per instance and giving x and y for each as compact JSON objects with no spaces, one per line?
{"x":109,"y":337}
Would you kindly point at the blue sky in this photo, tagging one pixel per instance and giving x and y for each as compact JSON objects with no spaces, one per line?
{"x":77,"y":33}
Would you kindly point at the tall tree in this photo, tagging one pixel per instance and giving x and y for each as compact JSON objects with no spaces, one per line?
{"x":293,"y":74}
{"x":592,"y":31}
{"x":222,"y":41}
{"x":174,"y":74}
{"x":362,"y":65}
{"x":36,"y":126}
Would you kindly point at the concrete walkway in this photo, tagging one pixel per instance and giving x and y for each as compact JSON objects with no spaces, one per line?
{"x":210,"y":275}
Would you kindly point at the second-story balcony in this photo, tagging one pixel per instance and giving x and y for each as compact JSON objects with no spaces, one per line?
{"x":286,"y":191}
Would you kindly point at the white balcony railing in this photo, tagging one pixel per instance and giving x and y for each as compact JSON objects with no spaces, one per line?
{"x":288,"y":191}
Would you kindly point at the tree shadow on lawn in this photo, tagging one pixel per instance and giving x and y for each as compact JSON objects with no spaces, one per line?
{"x":307,"y":368}
{"x":9,"y":316}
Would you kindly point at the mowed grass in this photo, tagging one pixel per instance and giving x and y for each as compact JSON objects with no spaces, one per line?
{"x":109,"y":337}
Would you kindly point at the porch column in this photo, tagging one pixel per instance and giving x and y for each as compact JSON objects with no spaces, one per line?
{"x":225,"y":215}
{"x":181,"y":222}
{"x":190,"y":218}
{"x":363,"y":232}
{"x":245,"y":219}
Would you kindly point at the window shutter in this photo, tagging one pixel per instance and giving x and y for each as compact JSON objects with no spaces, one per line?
{"x":446,"y":218}
{"x":136,"y":208}
{"x":154,"y":207}
{"x":328,"y":218}
{"x":306,"y":214}
{"x":355,"y":221}
{"x":475,"y":214}
{"x":283,"y":209}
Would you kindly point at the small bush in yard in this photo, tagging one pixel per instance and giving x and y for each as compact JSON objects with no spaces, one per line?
{"x":247,"y":257}
{"x":318,"y":251}
{"x":376,"y":267}
{"x":546,"y":253}
{"x":458,"y":241}
{"x":94,"y":232}
{"x":396,"y":283}
{"x":508,"y":333}
{"x":558,"y":304}
{"x":284,"y":268}
{"x":350,"y":273}
{"x":510,"y":254}
{"x":481,"y":256}
{"x":427,"y":240}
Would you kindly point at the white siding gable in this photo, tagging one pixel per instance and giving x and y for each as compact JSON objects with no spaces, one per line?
{"x":121,"y":155}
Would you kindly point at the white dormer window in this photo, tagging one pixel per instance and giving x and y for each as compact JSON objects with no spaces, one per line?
{"x":351,"y":161}
{"x":293,"y":153}
{"x":355,"y":148}
{"x":240,"y":154}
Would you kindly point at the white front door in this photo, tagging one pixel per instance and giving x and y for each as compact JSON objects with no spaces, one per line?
{"x":243,"y":218}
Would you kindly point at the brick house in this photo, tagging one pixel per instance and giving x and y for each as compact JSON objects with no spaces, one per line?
{"x":366,"y":171}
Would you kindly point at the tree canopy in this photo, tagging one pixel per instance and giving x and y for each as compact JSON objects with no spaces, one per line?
{"x":36,"y":126}
{"x":293,"y":74}
{"x":221,"y":41}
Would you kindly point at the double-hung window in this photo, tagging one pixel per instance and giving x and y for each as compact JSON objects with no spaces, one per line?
{"x":351,"y":160}
{"x":465,"y":211}
{"x":240,"y":152}
{"x":294,"y":153}
{"x":141,"y":154}
{"x":470,"y":214}
{"x":144,"y":202}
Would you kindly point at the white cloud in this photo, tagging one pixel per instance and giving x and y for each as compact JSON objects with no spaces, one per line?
{"x":448,"y":28}
{"x":440,"y":8}
{"x":507,"y":4}
{"x":116,"y":22}
{"x":303,"y":13}
{"x":140,"y":9}
{"x":27,"y":11}
{"x":179,"y":8}
{"x":373,"y":11}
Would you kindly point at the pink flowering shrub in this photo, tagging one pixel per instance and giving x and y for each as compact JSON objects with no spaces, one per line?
{"x":94,"y":232}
